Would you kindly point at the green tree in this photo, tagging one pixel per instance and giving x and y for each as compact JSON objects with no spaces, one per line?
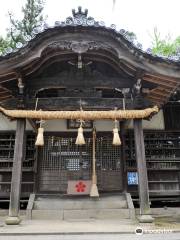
{"x":33,"y":18}
{"x":4,"y":44}
{"x":131,"y":35}
{"x":166,"y":46}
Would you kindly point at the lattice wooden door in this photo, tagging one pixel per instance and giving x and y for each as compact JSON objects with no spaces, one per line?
{"x":61,"y":160}
{"x":109,"y":163}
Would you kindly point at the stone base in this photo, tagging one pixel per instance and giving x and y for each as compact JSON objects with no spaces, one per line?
{"x":145,"y":219}
{"x":13,"y":220}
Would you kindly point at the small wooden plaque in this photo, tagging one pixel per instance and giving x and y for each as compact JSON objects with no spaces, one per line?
{"x":74,"y":124}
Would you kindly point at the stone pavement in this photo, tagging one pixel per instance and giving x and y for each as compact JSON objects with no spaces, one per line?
{"x":69,"y":226}
{"x":43,"y":227}
{"x":171,"y":236}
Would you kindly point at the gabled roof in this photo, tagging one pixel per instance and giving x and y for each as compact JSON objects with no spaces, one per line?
{"x":93,"y":35}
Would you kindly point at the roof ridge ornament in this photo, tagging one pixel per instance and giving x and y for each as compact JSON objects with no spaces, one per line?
{"x":80,"y":18}
{"x":80,"y":13}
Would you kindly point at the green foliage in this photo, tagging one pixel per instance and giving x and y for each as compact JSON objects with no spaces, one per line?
{"x":32,"y":18}
{"x":21,"y":29}
{"x":131,"y":35}
{"x":4,"y":43}
{"x":167,"y":46}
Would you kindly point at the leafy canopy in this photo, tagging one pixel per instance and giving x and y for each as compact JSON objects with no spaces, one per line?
{"x":166,"y":46}
{"x":20,"y":30}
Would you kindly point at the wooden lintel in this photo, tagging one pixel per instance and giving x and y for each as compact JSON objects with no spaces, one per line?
{"x":74,"y":103}
{"x":76,"y":82}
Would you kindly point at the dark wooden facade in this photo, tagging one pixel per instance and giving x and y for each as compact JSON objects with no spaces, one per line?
{"x":82,"y":63}
{"x":162,"y":150}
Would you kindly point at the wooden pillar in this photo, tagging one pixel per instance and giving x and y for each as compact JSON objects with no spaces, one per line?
{"x":19,"y":154}
{"x":123,"y":159}
{"x":142,"y":172}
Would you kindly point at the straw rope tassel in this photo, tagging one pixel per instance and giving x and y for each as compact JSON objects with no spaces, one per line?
{"x":80,"y":137}
{"x":40,"y":136}
{"x":116,"y":138}
{"x":94,"y":190}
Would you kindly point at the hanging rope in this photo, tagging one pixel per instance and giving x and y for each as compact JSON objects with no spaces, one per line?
{"x":85,"y":115}
{"x":94,"y":190}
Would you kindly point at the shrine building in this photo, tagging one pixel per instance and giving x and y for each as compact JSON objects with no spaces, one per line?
{"x":88,"y":117}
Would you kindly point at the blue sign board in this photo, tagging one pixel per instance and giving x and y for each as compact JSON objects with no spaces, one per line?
{"x":132,"y":178}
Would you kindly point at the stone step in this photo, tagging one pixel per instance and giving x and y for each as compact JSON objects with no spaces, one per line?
{"x":63,"y":207}
{"x":81,"y":214}
{"x":58,"y":203}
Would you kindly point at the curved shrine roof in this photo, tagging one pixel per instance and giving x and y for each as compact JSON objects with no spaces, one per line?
{"x":80,"y":34}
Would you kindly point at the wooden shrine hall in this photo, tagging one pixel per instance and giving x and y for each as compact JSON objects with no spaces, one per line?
{"x":95,"y":115}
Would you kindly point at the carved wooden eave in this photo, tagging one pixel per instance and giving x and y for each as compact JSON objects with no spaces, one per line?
{"x":97,"y":43}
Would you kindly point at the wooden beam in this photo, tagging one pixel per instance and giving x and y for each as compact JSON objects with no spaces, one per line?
{"x":73,"y":103}
{"x":141,"y":167}
{"x":2,"y":90}
{"x":78,"y":82}
{"x":164,"y":78}
{"x":162,"y":90}
{"x":5,"y":97}
{"x":7,"y":77}
{"x":79,"y":93}
{"x":19,"y":154}
{"x":5,"y":94}
{"x":160,"y":99}
{"x":158,"y":96}
{"x":159,"y":82}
